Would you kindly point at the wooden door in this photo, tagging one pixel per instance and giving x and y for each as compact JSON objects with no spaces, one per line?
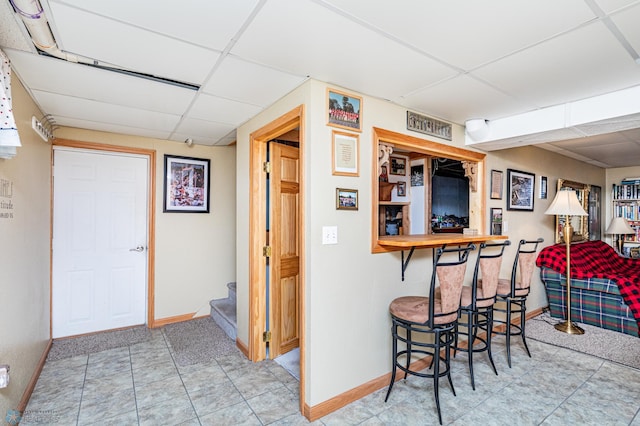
{"x":99,"y":276}
{"x":284,"y":228}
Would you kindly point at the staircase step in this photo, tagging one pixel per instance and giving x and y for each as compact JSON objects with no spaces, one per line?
{"x":223,"y":312}
{"x":232,"y":290}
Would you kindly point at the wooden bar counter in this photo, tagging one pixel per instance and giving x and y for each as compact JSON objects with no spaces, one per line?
{"x":413,"y":242}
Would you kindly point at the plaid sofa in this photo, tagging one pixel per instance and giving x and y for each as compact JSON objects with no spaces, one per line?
{"x":605,"y":288}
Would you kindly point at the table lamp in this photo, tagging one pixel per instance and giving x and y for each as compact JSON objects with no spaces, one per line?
{"x":566,"y":204}
{"x":619,"y":227}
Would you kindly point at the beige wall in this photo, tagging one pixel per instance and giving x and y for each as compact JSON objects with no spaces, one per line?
{"x":195,"y":253}
{"x":24,"y":254}
{"x":348,"y":289}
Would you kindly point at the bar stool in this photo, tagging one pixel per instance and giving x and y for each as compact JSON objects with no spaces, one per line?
{"x":477,"y":302}
{"x":513,"y":292}
{"x":432,"y":316}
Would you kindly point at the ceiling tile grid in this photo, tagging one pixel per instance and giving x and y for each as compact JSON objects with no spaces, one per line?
{"x":453,"y":60}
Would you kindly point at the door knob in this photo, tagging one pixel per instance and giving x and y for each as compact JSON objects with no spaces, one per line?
{"x":138,"y":249}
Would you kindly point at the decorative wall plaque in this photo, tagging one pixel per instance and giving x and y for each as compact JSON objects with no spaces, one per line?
{"x":428,"y":126}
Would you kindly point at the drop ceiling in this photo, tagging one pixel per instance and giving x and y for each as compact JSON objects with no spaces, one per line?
{"x":453,"y":60}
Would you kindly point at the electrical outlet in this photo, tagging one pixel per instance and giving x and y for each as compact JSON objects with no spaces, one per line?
{"x":505,"y":226}
{"x":329,"y":235}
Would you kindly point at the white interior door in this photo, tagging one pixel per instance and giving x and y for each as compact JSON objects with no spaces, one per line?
{"x":99,"y":266}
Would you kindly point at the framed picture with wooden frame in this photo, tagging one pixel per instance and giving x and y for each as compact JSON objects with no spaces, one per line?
{"x":398,"y":165}
{"x":346,"y":199}
{"x":344,"y":154}
{"x":344,"y":110}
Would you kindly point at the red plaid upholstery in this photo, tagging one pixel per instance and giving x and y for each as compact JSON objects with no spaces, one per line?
{"x":597,"y":259}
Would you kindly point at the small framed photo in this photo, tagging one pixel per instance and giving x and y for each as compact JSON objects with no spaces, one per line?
{"x":496,"y":185}
{"x":543,"y":187}
{"x":346,"y":199}
{"x":402,"y":189}
{"x":398,"y":165}
{"x":186,"y":186}
{"x":344,"y":110}
{"x":520,"y":190}
{"x":344,"y":154}
{"x":417,"y":175}
{"x":496,"y":221}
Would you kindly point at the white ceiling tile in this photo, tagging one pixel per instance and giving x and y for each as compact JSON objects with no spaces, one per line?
{"x":627,"y":23}
{"x":466,"y":33}
{"x":194,"y":128}
{"x":250,"y":83}
{"x":609,"y":6}
{"x":212,"y":108}
{"x":100,"y":112}
{"x":461,"y":98}
{"x":109,"y":127}
{"x":100,"y":85}
{"x":189,"y":20}
{"x":571,"y":71}
{"x":332,"y":48}
{"x":130,"y":47}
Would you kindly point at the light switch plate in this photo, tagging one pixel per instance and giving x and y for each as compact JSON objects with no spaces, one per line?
{"x":329,"y":235}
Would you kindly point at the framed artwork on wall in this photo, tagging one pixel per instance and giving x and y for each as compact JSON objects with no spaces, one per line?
{"x":344,"y":110}
{"x":520,"y":190}
{"x":346,"y":199}
{"x":496,"y":185}
{"x":344,"y":154}
{"x":496,"y":221}
{"x":186,"y":184}
{"x":398,"y":165}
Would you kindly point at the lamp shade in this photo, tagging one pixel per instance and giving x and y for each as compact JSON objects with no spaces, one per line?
{"x":618,"y":226}
{"x":566,"y":203}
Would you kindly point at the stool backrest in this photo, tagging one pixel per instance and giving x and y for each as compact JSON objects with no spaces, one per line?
{"x":526,"y":259}
{"x":449,"y":268}
{"x":488,"y":266}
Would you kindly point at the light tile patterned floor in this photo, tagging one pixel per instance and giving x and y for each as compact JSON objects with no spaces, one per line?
{"x":142,"y":385}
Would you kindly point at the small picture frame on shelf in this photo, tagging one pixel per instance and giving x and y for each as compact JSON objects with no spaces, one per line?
{"x":402,"y":189}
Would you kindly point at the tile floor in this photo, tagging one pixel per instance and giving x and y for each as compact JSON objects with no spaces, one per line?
{"x":142,"y":385}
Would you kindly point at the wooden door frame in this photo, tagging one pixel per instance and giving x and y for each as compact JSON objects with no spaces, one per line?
{"x":257,"y":235}
{"x":151,"y":217}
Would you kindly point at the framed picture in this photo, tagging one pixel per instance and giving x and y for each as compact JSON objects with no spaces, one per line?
{"x":496,"y":185}
{"x":402,"y":189}
{"x":344,"y":154}
{"x":186,"y":186}
{"x":520,"y":190}
{"x":417,"y":175}
{"x":398,"y":165}
{"x":346,"y":199}
{"x":344,"y":110}
{"x":496,"y":221}
{"x":543,"y":187}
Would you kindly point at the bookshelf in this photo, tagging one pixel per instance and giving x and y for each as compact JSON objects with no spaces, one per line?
{"x":626,"y":203}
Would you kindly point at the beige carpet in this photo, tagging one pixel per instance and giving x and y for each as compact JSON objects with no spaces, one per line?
{"x":610,"y":345}
{"x":97,"y":342}
{"x":197,"y":341}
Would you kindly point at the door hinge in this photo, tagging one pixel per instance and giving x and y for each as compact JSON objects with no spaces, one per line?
{"x":266,"y":336}
{"x":266,"y":167}
{"x":266,"y":251}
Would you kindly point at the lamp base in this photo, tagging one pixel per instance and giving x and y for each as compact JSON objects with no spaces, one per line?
{"x":569,"y":328}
